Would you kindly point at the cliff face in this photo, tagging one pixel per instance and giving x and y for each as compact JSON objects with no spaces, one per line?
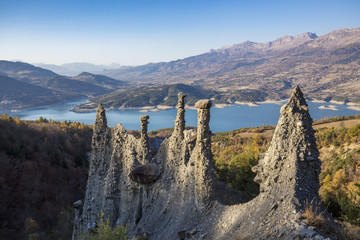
{"x":172,"y":195}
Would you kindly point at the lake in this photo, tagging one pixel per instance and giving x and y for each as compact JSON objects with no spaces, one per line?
{"x":222,"y":119}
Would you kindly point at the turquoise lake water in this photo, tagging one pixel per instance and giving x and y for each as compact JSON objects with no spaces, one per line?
{"x":222,"y":119}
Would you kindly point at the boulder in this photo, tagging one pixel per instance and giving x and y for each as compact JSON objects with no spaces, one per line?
{"x":144,"y":174}
{"x":203,"y":104}
{"x":78,"y":204}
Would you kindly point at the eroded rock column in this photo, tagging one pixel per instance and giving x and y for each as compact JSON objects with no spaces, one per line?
{"x":204,"y":170}
{"x":101,"y":132}
{"x":203,"y":129}
{"x":144,"y":138}
{"x":180,"y":117}
{"x":291,"y":164}
{"x":100,"y":120}
{"x":97,"y":179}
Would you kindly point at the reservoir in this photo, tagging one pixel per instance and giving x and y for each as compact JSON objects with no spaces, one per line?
{"x":222,"y":119}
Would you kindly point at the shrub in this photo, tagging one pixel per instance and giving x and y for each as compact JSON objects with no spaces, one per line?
{"x":313,"y":214}
{"x":103,"y":231}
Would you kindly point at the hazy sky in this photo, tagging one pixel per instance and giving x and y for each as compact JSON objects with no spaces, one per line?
{"x":133,"y":32}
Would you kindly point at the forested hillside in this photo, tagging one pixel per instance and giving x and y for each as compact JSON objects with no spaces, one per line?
{"x":146,"y":96}
{"x":43,"y":171}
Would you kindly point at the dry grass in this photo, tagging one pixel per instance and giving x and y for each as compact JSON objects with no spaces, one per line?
{"x":313,"y":214}
{"x":338,"y":124}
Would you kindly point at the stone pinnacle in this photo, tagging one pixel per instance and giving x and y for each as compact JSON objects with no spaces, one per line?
{"x":180,"y":117}
{"x":144,"y":137}
{"x":203,"y":129}
{"x":100,"y":120}
{"x":291,"y":163}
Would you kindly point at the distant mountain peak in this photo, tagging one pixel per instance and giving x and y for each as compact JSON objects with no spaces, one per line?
{"x":311,"y":35}
{"x":301,"y":37}
{"x":341,"y":37}
{"x":240,"y":46}
{"x":287,"y":41}
{"x":282,"y":43}
{"x":342,"y":33}
{"x":86,"y":74}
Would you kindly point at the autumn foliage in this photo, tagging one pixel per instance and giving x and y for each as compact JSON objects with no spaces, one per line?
{"x":237,"y":151}
{"x":234,"y":157}
{"x":43,"y":171}
{"x":340,"y":176}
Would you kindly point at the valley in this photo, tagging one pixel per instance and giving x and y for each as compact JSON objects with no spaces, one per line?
{"x":25,"y":86}
{"x":326,"y":67}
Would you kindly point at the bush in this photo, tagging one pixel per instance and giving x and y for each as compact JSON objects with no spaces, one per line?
{"x":103,"y":231}
{"x":234,"y":157}
{"x":313,"y":214}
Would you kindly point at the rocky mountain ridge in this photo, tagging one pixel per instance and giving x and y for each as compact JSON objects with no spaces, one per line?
{"x":325,"y":67}
{"x":282,"y":43}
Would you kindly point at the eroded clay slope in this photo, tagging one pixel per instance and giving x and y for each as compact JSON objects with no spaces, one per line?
{"x":172,"y":195}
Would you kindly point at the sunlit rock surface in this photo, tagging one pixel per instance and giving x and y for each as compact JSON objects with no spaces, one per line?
{"x":173,"y":195}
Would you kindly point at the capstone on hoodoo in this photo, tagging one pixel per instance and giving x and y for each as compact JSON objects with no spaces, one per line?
{"x":172,"y":195}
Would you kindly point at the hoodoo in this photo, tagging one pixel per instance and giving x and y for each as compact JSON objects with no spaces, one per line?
{"x":172,"y":195}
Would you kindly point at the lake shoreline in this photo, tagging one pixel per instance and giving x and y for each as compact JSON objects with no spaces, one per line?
{"x":157,"y":108}
{"x":15,"y":110}
{"x":223,"y":118}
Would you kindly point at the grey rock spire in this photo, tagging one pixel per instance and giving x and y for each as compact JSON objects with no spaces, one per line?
{"x":180,"y":117}
{"x":144,"y":137}
{"x":203,"y":130}
{"x":204,"y":168}
{"x":100,"y":120}
{"x":291,"y":163}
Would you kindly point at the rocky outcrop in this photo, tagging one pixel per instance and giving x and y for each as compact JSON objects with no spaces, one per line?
{"x":145,"y":173}
{"x":174,"y":196}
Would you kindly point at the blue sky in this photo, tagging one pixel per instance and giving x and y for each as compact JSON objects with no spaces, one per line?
{"x":134,"y":32}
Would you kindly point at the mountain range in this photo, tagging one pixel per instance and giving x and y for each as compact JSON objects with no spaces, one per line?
{"x":73,"y":69}
{"x":24,"y":85}
{"x":325,"y":67}
{"x":16,"y":94}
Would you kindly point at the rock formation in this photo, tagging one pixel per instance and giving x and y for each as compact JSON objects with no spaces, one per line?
{"x":172,"y":195}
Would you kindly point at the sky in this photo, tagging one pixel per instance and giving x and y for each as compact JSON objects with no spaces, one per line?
{"x":136,"y":32}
